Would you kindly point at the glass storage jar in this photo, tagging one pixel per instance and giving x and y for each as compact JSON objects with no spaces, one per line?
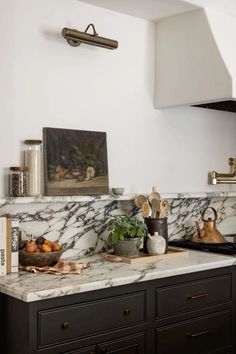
{"x":18,"y":182}
{"x":33,"y":160}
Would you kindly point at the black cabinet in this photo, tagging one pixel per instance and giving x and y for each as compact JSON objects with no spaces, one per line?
{"x":66,"y":323}
{"x":205,"y":334}
{"x":88,"y":350}
{"x":127,"y":345}
{"x":192,"y":313}
{"x":193,"y":295}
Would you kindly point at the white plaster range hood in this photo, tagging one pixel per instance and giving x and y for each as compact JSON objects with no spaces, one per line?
{"x":196,"y":60}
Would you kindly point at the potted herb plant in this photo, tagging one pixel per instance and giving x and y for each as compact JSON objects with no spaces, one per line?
{"x":125,"y":234}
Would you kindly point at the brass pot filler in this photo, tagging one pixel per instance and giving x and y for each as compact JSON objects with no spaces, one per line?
{"x":224,"y":178}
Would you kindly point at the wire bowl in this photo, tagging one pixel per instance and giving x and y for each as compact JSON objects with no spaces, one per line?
{"x":39,"y":259}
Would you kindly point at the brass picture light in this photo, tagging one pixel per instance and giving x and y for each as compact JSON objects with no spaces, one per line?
{"x":75,"y":38}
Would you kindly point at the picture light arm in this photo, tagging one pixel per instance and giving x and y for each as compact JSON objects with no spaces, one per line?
{"x":75,"y":38}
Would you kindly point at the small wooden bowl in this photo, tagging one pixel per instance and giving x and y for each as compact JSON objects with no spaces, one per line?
{"x":39,"y":259}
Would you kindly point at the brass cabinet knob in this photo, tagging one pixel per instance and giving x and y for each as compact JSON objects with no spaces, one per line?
{"x":126,"y":312}
{"x":65,"y":324}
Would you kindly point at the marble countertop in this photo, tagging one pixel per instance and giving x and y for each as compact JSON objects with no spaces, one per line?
{"x":111,"y":197}
{"x":104,"y":274}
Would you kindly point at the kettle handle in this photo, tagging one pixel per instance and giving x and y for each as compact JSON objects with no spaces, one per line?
{"x":214,"y":211}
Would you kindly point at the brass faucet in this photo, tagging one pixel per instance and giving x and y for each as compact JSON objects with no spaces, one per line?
{"x":224,"y":178}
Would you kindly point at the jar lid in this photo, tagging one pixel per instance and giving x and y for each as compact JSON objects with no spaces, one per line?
{"x":19,"y":169}
{"x":33,"y":142}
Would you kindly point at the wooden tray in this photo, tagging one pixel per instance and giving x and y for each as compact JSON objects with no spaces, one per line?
{"x":145,"y":258}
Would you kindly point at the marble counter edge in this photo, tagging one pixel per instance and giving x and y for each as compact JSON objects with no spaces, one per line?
{"x":136,"y":276}
{"x":78,"y":199}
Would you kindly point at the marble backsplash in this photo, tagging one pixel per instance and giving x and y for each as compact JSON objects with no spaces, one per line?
{"x":77,"y":225}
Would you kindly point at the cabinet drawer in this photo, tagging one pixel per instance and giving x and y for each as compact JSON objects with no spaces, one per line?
{"x":70,"y":322}
{"x":126,"y":345}
{"x":203,"y":335}
{"x":192,"y":295}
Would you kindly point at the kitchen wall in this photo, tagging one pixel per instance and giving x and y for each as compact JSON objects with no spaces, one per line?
{"x":45,"y":82}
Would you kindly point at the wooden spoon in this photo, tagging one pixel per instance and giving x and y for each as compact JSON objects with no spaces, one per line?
{"x":155,"y":201}
{"x":154,"y":194}
{"x":165,"y":206}
{"x":155,"y":204}
{"x":146,"y":209}
{"x":139,"y":200}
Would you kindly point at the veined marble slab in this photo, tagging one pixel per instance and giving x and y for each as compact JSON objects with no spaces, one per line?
{"x":103,"y":274}
{"x":111,"y":197}
{"x":63,"y":199}
{"x":77,"y":225}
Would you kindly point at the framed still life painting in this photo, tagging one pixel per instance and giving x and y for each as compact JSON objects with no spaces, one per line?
{"x":75,"y":162}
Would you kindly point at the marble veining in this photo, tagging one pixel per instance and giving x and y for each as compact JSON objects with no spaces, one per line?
{"x":77,"y":199}
{"x":63,"y":199}
{"x":78,"y":225}
{"x":102,"y":274}
{"x":76,"y":222}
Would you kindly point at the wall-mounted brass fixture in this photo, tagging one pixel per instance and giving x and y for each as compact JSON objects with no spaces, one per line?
{"x":224,"y":178}
{"x":75,"y":38}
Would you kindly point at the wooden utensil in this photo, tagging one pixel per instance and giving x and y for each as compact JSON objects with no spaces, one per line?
{"x":155,"y":201}
{"x":155,"y":208}
{"x":139,"y":200}
{"x":146,"y":209}
{"x":154,"y":194}
{"x":164,"y":208}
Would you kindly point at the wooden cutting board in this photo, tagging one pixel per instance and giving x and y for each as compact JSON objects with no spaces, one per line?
{"x":145,"y":258}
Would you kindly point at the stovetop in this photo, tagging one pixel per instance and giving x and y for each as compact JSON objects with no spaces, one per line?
{"x":224,"y":248}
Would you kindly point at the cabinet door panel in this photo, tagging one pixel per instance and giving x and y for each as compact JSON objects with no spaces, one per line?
{"x":206,"y":334}
{"x":128,"y":345}
{"x":89,"y":350}
{"x":192,"y":295}
{"x":71,"y":322}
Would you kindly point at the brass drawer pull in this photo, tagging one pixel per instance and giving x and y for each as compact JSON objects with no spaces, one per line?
{"x":194,"y":335}
{"x":126,"y":312}
{"x":195,"y":297}
{"x":65,"y":325}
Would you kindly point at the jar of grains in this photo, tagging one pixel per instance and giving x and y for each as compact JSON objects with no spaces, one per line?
{"x":33,"y":160}
{"x":18,"y":181}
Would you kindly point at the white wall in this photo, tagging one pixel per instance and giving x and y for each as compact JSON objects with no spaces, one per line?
{"x":45,"y":82}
